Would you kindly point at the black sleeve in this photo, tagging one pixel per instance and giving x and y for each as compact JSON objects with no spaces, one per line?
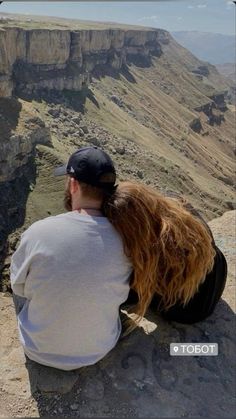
{"x":203,"y":303}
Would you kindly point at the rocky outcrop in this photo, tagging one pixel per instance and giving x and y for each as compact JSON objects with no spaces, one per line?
{"x":201,"y":70}
{"x":231,"y":95}
{"x":216,"y":101}
{"x":20,"y":132}
{"x":36,"y":59}
{"x":219,"y":101}
{"x":215,"y":108}
{"x":16,"y":152}
{"x":196,"y":125}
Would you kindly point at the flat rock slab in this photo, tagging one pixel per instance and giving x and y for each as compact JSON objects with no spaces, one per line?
{"x":138,"y":378}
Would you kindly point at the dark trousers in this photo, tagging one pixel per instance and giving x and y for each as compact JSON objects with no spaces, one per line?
{"x":202,"y":304}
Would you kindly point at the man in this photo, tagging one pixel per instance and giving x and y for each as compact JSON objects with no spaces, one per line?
{"x":72,"y":271}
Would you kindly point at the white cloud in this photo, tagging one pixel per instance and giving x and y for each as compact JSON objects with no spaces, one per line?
{"x":190,"y":7}
{"x":229,"y":3}
{"x":179,"y":18}
{"x":148,"y":18}
{"x":201,"y":6}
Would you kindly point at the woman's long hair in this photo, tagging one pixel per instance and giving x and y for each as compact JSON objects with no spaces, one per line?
{"x":171,"y":251}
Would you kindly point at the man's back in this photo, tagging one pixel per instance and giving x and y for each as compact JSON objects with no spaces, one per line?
{"x":74,"y":274}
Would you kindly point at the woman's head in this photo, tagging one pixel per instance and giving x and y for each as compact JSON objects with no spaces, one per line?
{"x":170,"y":249}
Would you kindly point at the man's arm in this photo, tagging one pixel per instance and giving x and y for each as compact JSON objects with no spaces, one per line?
{"x":19,"y":268}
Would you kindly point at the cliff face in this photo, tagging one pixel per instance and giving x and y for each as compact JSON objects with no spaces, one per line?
{"x":31,"y":60}
{"x":20,"y":132}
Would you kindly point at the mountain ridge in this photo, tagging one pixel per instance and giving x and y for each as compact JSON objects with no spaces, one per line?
{"x":215,"y":48}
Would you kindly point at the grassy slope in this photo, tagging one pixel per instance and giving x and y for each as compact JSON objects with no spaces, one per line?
{"x":167,"y":134}
{"x":171,"y":156}
{"x":49,"y":22}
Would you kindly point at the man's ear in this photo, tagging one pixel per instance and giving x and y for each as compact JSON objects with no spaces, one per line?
{"x":74,"y":185}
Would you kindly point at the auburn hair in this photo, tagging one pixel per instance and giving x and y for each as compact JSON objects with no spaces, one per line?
{"x":171,"y":251}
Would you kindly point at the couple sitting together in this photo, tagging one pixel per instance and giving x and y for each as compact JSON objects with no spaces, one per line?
{"x":124,"y":243}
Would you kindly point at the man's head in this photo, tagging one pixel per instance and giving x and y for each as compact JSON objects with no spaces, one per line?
{"x":91,"y":176}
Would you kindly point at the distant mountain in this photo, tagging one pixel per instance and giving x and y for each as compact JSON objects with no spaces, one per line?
{"x":228,"y":70}
{"x":215,"y":48}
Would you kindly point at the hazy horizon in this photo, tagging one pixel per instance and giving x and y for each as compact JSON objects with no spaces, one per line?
{"x":210,"y":16}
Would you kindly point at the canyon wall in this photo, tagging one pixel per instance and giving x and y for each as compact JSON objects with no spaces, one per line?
{"x":36,"y":59}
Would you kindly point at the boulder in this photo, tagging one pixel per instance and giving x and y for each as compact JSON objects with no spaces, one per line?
{"x":76,"y":119}
{"x":84,"y":128}
{"x":93,"y":140}
{"x":54,"y":112}
{"x":117,"y":100}
{"x":120,"y":150}
{"x":196,"y":125}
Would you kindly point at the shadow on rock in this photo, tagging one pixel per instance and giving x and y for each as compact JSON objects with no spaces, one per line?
{"x":9,"y":115}
{"x":73,"y":99}
{"x":14,"y":193}
{"x":14,"y":196}
{"x":101,"y":71}
{"x":139,"y":377}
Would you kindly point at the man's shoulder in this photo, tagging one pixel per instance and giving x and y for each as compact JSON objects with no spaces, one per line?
{"x":45,"y":223}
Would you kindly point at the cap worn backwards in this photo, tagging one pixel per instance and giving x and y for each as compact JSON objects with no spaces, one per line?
{"x":90,"y":165}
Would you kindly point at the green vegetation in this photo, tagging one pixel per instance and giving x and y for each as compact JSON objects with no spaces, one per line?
{"x":37,"y":22}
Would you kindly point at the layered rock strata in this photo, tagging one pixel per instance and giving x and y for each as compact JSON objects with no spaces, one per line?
{"x":36,"y":59}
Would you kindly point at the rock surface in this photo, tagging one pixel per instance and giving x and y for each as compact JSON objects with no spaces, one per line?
{"x":138,"y":378}
{"x":17,"y":146}
{"x":68,"y":56}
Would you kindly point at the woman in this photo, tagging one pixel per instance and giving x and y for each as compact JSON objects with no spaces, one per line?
{"x":177,"y":268}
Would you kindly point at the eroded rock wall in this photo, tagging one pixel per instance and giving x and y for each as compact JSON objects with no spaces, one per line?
{"x":36,"y":59}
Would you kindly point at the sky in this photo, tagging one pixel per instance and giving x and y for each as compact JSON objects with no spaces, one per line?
{"x":173,"y":15}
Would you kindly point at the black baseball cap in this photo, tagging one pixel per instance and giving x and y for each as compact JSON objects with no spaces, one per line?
{"x":90,"y":165}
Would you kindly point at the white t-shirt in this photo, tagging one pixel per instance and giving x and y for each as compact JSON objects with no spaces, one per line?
{"x":73,"y":272}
